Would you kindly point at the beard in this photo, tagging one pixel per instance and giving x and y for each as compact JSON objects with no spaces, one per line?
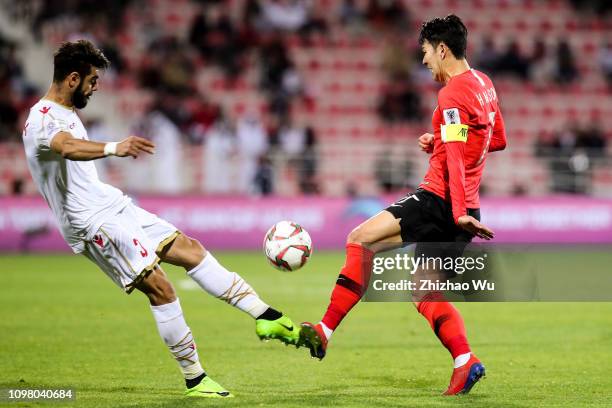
{"x":79,"y":100}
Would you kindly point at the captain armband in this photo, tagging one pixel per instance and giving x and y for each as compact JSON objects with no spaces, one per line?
{"x":454,"y":133}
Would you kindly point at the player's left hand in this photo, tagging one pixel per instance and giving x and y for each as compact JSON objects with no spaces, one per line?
{"x":471,"y":224}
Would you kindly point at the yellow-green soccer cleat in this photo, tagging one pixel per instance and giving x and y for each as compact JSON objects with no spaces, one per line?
{"x":208,"y":388}
{"x":281,"y":329}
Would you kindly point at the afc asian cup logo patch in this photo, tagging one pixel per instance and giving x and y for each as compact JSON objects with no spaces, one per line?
{"x":451,"y":116}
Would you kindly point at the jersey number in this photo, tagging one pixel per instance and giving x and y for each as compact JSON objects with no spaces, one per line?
{"x":143,"y":251}
{"x":489,"y":136}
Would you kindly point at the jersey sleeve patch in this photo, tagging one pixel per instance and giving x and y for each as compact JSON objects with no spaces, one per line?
{"x":50,"y":128}
{"x":454,"y":133}
{"x":451,"y":116}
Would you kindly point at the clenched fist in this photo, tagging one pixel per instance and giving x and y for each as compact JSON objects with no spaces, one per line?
{"x":426,"y":142}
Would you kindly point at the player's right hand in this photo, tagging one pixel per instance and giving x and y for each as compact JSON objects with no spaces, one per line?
{"x":471,"y":224}
{"x":133,"y":146}
{"x":426,"y":142}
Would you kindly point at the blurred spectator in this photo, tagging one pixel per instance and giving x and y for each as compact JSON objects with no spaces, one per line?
{"x":10,"y":68}
{"x":285,"y":15}
{"x":165,"y":134}
{"x":213,"y":35}
{"x":14,"y":91}
{"x":219,"y":149}
{"x":566,"y":65}
{"x":177,"y":68}
{"x":542,"y":65}
{"x":250,"y":23}
{"x":164,"y":173}
{"x":167,"y":67}
{"x":112,"y":51}
{"x":395,"y":63}
{"x":8,"y":116}
{"x":252,"y":143}
{"x":386,"y":14}
{"x":599,"y":7}
{"x":351,"y":16}
{"x":572,"y":153}
{"x":564,"y":178}
{"x":400,"y":101}
{"x":273,"y":128}
{"x":512,"y":62}
{"x":203,"y":115}
{"x":279,"y":76}
{"x":316,"y":25}
{"x":592,"y":140}
{"x":264,"y":176}
{"x":605,"y":61}
{"x":309,"y":164}
{"x":292,"y":139}
{"x":488,"y":57}
{"x":391,"y":174}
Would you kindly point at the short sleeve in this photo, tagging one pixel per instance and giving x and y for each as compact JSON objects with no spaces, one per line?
{"x":49,"y":128}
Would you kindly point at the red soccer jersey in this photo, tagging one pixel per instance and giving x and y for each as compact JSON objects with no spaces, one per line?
{"x":467,"y":125}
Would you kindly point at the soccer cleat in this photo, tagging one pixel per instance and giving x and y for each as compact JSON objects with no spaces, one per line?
{"x":281,"y":329}
{"x":208,"y":388}
{"x":313,"y":337}
{"x":465,"y":377}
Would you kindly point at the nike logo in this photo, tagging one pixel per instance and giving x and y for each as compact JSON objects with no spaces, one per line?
{"x":287,"y":327}
{"x":221,"y":393}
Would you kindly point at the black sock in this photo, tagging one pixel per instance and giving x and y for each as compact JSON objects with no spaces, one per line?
{"x":194,"y":381}
{"x":270,"y":314}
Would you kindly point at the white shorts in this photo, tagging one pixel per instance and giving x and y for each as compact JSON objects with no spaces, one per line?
{"x":125,"y":247}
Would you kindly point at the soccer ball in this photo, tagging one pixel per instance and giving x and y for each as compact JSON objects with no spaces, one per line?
{"x":287,"y":246}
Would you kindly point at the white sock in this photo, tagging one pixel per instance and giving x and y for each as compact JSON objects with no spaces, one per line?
{"x":227,"y":286}
{"x":176,"y":334}
{"x":328,"y":332}
{"x":462,"y":359}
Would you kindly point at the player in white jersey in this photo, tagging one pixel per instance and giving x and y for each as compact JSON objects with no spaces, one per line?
{"x":125,"y":241}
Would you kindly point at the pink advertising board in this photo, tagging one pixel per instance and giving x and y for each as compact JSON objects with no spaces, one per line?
{"x":241,"y":222}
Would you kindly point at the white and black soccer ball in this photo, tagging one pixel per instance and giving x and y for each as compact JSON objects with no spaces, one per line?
{"x":287,"y":246}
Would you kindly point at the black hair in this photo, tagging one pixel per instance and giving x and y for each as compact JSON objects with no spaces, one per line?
{"x":78,"y":56}
{"x":450,"y":30}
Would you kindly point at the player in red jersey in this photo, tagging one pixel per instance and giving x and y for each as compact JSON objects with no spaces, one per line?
{"x":467,"y":125}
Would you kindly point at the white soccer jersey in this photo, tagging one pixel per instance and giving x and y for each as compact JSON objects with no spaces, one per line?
{"x":78,"y":199}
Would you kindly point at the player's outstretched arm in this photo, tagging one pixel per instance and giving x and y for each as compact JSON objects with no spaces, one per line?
{"x":82,"y":150}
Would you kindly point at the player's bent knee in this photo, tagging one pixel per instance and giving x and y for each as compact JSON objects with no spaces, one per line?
{"x":184,"y":251}
{"x":198,"y":249}
{"x":194,"y":252}
{"x":357,"y":236}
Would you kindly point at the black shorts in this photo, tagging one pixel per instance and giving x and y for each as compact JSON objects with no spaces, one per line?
{"x":427,"y":220}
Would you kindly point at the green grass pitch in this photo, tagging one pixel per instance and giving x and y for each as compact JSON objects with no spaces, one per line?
{"x":64,"y":324}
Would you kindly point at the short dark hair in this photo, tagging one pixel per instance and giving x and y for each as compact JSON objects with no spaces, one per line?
{"x":78,"y":56}
{"x":450,"y":30}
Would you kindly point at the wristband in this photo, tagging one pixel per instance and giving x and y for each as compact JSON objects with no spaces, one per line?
{"x":110,"y":149}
